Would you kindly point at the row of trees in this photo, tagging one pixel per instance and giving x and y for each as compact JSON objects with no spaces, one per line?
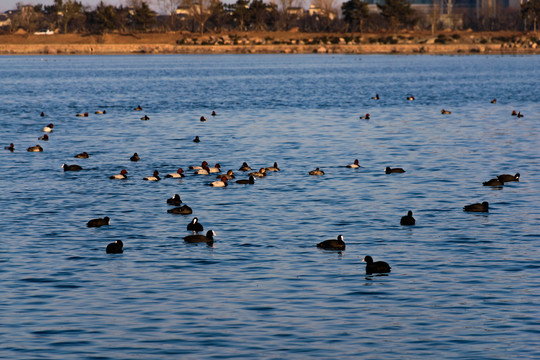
{"x":246,"y":15}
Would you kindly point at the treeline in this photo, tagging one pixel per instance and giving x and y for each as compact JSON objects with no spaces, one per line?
{"x":71,"y":16}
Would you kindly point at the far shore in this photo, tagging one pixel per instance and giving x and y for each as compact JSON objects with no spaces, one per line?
{"x":462,"y":42}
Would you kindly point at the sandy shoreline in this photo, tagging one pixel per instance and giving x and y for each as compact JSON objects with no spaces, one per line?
{"x":268,"y":43}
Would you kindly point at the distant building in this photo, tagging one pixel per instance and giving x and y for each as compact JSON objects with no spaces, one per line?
{"x":5,"y":21}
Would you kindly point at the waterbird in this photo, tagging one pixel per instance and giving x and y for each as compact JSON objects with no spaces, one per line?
{"x":121,"y":176}
{"x":219,"y":183}
{"x":508,"y":177}
{"x":365,"y":117}
{"x":145,"y":117}
{"x":215,"y":169}
{"x":197,"y":167}
{"x":99,"y":222}
{"x":251,"y":180}
{"x":204,"y":171}
{"x":214,"y":113}
{"x":135,"y":157}
{"x":138,"y":108}
{"x":514,"y":113}
{"x":154,"y":177}
{"x":389,"y":170}
{"x":519,"y":114}
{"x":229,"y":175}
{"x":73,"y":167}
{"x":332,"y":244}
{"x":36,"y":148}
{"x":48,"y":128}
{"x":195,"y":226}
{"x":182,"y":210}
{"x":261,"y":173}
{"x":101,"y":112}
{"x":82,"y":114}
{"x":410,"y":98}
{"x":42,"y":114}
{"x":244,"y":167}
{"x":196,"y":140}
{"x":208,"y":238}
{"x":203,"y":118}
{"x":317,"y":171}
{"x":11,"y":147}
{"x":273,"y":168}
{"x":115,"y":247}
{"x":45,"y":137}
{"x":477,"y":207}
{"x":376,"y":97}
{"x":445,"y":111}
{"x":178,"y":174}
{"x":494,"y":101}
{"x":407,"y":219}
{"x":375,"y":267}
{"x":174,"y":200}
{"x":493,"y":182}
{"x":354,"y":165}
{"x":83,"y":155}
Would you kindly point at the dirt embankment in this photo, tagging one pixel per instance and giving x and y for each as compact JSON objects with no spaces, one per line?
{"x":271,"y":42}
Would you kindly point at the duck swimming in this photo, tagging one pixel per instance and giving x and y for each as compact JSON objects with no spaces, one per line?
{"x":445,"y":111}
{"x":73,"y":167}
{"x":354,"y":165}
{"x":244,"y":167}
{"x":174,"y":200}
{"x":261,"y":173}
{"x":508,"y":177}
{"x":196,"y":140}
{"x":477,"y":207}
{"x":11,"y":147}
{"x":178,"y":174}
{"x":365,"y":117}
{"x":493,"y":182}
{"x":99,"y":222}
{"x":215,"y":169}
{"x":195,"y":226}
{"x":229,"y":175}
{"x":145,"y":117}
{"x":209,"y":238}
{"x":407,"y":219}
{"x":317,"y":171}
{"x":48,"y":128}
{"x":375,"y":267}
{"x":182,"y":210}
{"x":121,"y":176}
{"x":154,"y":177}
{"x":332,"y":244}
{"x":36,"y":148}
{"x":273,"y":168}
{"x":45,"y":137}
{"x":115,"y":247}
{"x":138,"y":108}
{"x":389,"y":170}
{"x":219,"y":183}
{"x":135,"y":157}
{"x":251,"y":180}
{"x":83,"y":155}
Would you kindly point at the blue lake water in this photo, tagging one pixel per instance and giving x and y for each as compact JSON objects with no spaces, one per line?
{"x":462,"y":286}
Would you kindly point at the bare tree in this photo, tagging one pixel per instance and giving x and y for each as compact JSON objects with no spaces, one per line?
{"x":199,"y":11}
{"x":169,"y":7}
{"x":287,"y":11}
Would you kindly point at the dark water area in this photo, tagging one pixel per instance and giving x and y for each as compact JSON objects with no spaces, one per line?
{"x":462,"y":286}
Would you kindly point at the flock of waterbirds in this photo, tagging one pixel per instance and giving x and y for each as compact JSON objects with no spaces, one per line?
{"x":197,"y":228}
